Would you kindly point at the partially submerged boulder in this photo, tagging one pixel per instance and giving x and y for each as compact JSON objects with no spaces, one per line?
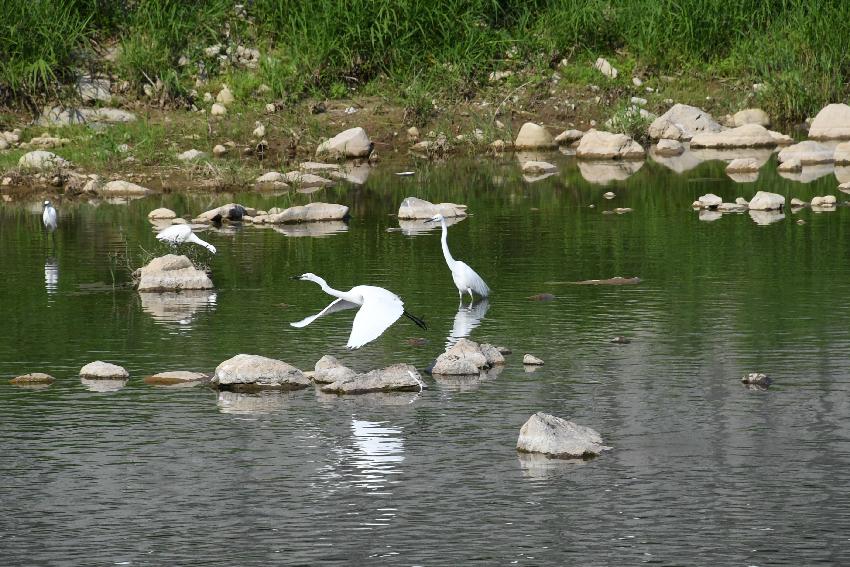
{"x":558,"y":438}
{"x":682,"y":122}
{"x":534,"y":137}
{"x":531,"y":360}
{"x":172,"y":273}
{"x":415,"y":208}
{"x":395,"y":378}
{"x":162,"y":214}
{"x":310,"y":212}
{"x":832,"y":122}
{"x":746,"y":136}
{"x":230,"y":212}
{"x":467,"y":357}
{"x":751,"y":116}
{"x":33,"y":378}
{"x":176,"y":377}
{"x":596,"y":144}
{"x":253,"y":372}
{"x":99,"y":370}
{"x":352,"y":143}
{"x":807,"y":152}
{"x":841,"y":155}
{"x":765,"y":201}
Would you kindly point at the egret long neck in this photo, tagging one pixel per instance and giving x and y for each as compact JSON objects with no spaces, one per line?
{"x":444,"y":240}
{"x":347,"y":296}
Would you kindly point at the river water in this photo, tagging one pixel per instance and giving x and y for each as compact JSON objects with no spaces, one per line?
{"x":703,"y":470}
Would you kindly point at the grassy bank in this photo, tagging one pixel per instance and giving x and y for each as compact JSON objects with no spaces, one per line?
{"x":417,"y":51}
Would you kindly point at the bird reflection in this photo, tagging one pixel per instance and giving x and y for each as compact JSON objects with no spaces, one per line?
{"x":467,"y":318}
{"x":51,"y":275}
{"x":376,"y":451}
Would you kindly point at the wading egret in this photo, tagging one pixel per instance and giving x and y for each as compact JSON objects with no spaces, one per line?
{"x":465,"y":278}
{"x":379,"y":308}
{"x":49,"y":217}
{"x":180,"y":233}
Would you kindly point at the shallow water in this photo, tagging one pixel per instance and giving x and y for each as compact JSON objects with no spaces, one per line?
{"x":702,"y":471}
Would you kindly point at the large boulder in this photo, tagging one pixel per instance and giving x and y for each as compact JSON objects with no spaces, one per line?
{"x":253,"y":372}
{"x":352,"y":143}
{"x":832,"y":122}
{"x":310,"y":212}
{"x":41,"y":160}
{"x":596,"y":144}
{"x":415,"y":208}
{"x":534,"y":137}
{"x":746,"y":136}
{"x":765,"y":201}
{"x":682,"y":122}
{"x":808,"y":152}
{"x":558,"y":438}
{"x":99,"y":370}
{"x":123,"y":188}
{"x":467,"y":357}
{"x":172,"y":273}
{"x":395,"y":378}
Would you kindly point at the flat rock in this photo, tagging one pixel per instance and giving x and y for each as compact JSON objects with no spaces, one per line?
{"x":832,"y":122}
{"x":538,"y":167}
{"x":99,"y":370}
{"x":743,"y":165}
{"x":467,"y":357}
{"x":302,"y":179}
{"x":568,"y":137}
{"x":531,"y":360}
{"x":534,"y":136}
{"x":175,"y":377}
{"x":310,"y":212}
{"x":191,"y":155}
{"x":807,"y":152}
{"x":765,"y":201}
{"x":666,"y":147}
{"x":172,"y":273}
{"x":62,"y":116}
{"x":558,"y":438}
{"x":415,"y":208}
{"x":352,"y":143}
{"x":682,"y":122}
{"x":596,"y":144}
{"x":250,"y":371}
{"x":42,"y":160}
{"x":122,"y":188}
{"x":395,"y":378}
{"x":162,"y":213}
{"x":33,"y":378}
{"x":751,"y":116}
{"x":746,"y":136}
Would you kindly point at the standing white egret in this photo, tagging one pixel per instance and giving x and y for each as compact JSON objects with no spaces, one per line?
{"x":379,"y":308}
{"x":465,"y":278}
{"x":49,"y":218}
{"x":180,"y":233}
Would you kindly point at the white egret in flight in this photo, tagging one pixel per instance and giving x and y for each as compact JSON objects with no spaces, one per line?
{"x":49,"y":218}
{"x":465,"y":278}
{"x":379,"y":308}
{"x":180,"y":233}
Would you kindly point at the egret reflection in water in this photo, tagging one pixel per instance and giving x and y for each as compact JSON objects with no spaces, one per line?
{"x":467,"y":318}
{"x":51,"y":275}
{"x":377,"y":449}
{"x":177,"y":308}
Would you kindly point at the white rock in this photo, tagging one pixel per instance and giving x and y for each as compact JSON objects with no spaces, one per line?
{"x":743,"y":165}
{"x":395,"y":378}
{"x":751,"y":116}
{"x":258,"y":372}
{"x":746,"y":136}
{"x":271,"y":108}
{"x":765,"y":201}
{"x":596,"y":144}
{"x":191,"y":155}
{"x":609,"y":195}
{"x":531,"y":360}
{"x":568,"y":137}
{"x":176,"y":377}
{"x":4,"y":145}
{"x":791,"y":165}
{"x":306,"y":179}
{"x":415,"y":208}
{"x":467,"y":357}
{"x":99,"y":370}
{"x":682,"y":122}
{"x":219,"y":150}
{"x":259,"y":130}
{"x":832,"y":122}
{"x":538,"y":167}
{"x":172,"y":273}
{"x":534,"y":136}
{"x":271,"y":177}
{"x":352,"y":143}
{"x":841,"y":156}
{"x":224,"y":96}
{"x":638,"y":101}
{"x":123,"y":188}
{"x":636,"y":81}
{"x":709,"y":200}
{"x":604,"y":67}
{"x":781,"y":139}
{"x":808,"y":152}
{"x":558,"y":438}
{"x":218,"y":110}
{"x":161,"y":213}
{"x":667,"y":147}
{"x":310,"y":212}
{"x":41,"y":160}
{"x":328,"y":370}
{"x":827,"y":201}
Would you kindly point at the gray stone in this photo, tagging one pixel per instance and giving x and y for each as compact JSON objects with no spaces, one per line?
{"x":533,"y":136}
{"x":250,"y":371}
{"x":682,"y":122}
{"x":123,"y":188}
{"x":531,"y":360}
{"x":832,"y":122}
{"x":172,"y":273}
{"x":99,"y":370}
{"x":395,"y":378}
{"x":596,"y":144}
{"x":176,"y":377}
{"x":415,"y":208}
{"x":191,"y":155}
{"x":667,"y":147}
{"x":352,"y":143}
{"x":746,"y":136}
{"x":33,"y":378}
{"x":310,"y":212}
{"x":463,"y":358}
{"x":568,"y":137}
{"x":42,"y":160}
{"x":757,"y":378}
{"x":558,"y":438}
{"x":329,"y":370}
{"x":93,"y":89}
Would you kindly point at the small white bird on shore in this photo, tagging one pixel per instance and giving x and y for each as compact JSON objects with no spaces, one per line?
{"x":180,"y":233}
{"x":379,"y":308}
{"x":465,"y":278}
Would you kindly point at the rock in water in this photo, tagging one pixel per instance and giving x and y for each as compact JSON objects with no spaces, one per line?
{"x":253,"y":372}
{"x":757,"y":379}
{"x":467,"y":357}
{"x":531,"y":360}
{"x":415,"y":208}
{"x":329,"y":370}
{"x":395,"y":378}
{"x":33,"y":378}
{"x":99,"y":370}
{"x":558,"y":438}
{"x":172,"y":273}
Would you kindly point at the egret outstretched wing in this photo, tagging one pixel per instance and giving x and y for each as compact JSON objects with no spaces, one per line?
{"x":381,"y":308}
{"x":335,"y":305}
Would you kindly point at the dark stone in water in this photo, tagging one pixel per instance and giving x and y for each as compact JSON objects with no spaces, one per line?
{"x":621,"y":340}
{"x":417,"y":341}
{"x":757,"y":379}
{"x":541,"y":297}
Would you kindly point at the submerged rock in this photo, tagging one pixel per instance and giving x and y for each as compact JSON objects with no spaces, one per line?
{"x":395,"y":378}
{"x":176,"y":377}
{"x":596,"y":144}
{"x":832,"y":122}
{"x":33,"y":378}
{"x":99,"y":370}
{"x":531,"y":360}
{"x":352,"y":143}
{"x":253,"y":372}
{"x":415,"y":208}
{"x":467,"y":357}
{"x":172,"y":273}
{"x":558,"y":438}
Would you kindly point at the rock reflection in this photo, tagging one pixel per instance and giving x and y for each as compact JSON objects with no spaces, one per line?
{"x":253,"y":403}
{"x":809,"y":173}
{"x":535,"y":466}
{"x":743,"y":176}
{"x":314,"y":229}
{"x":177,"y":307}
{"x":605,"y":172}
{"x":842,"y":173}
{"x":51,"y":275}
{"x":680,"y":164}
{"x":413,"y":227}
{"x":467,"y":318}
{"x":98,"y":385}
{"x":766,"y":217}
{"x":469,"y":382}
{"x":356,"y":174}
{"x":709,"y":216}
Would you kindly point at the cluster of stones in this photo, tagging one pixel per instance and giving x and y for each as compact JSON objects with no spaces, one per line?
{"x":467,"y":357}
